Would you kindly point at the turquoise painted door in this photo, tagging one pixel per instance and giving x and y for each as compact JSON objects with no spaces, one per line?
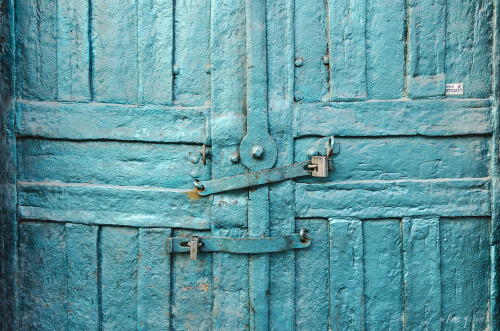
{"x":106,"y":107}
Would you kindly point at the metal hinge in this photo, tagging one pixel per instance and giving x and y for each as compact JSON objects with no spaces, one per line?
{"x":263,"y":245}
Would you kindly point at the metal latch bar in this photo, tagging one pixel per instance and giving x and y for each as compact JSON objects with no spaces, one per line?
{"x":253,"y":178}
{"x":197,"y":244}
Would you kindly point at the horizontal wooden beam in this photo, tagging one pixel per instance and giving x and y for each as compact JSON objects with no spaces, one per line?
{"x":397,"y":198}
{"x":395,"y":117}
{"x":111,"y":205}
{"x":102,"y":121}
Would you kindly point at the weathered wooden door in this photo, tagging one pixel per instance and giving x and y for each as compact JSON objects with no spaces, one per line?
{"x":114,"y":101}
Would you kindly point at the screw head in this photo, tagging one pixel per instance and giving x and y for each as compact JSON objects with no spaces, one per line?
{"x":235,"y":158}
{"x":257,"y":151}
{"x":299,"y":62}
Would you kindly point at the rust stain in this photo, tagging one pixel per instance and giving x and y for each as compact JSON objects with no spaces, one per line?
{"x":139,"y":256}
{"x":193,"y":194}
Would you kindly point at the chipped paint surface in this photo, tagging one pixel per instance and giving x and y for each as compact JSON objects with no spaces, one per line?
{"x":106,"y":104}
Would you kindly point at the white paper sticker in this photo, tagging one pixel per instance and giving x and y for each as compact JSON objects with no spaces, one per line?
{"x":455,"y":89}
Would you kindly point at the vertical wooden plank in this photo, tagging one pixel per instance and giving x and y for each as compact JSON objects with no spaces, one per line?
{"x":36,"y":49}
{"x":192,"y":52}
{"x":311,"y":78}
{"x":82,"y":277}
{"x":42,"y":276}
{"x":426,"y":48}
{"x":468,"y":46}
{"x":422,"y":273}
{"x":73,"y":52}
{"x":280,"y":63}
{"x":227,"y":124}
{"x":465,"y":268}
{"x":114,"y":51}
{"x":346,"y":275}
{"x":192,"y":288}
{"x":383,"y":274}
{"x":153,"y":282}
{"x":118,"y":257}
{"x":8,"y":195}
{"x":155,"y":51}
{"x":311,"y":287}
{"x":385,"y":48}
{"x":346,"y":36}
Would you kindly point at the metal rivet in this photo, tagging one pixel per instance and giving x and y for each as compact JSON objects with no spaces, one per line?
{"x":325,"y":98}
{"x":257,"y":151}
{"x":235,"y":158}
{"x":175,"y":69}
{"x":298,"y":95}
{"x":195,"y":159}
{"x":208,"y":69}
{"x":326,"y":59}
{"x":299,"y":62}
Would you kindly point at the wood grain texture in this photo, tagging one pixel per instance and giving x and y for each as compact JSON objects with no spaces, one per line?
{"x":112,"y":122}
{"x":376,"y":199}
{"x":114,"y":51}
{"x":82,"y":275}
{"x":36,"y":48}
{"x":42,"y":276}
{"x":118,"y":255}
{"x":73,"y":51}
{"x":153,"y":280}
{"x":112,"y":205}
{"x":155,"y":39}
{"x":378,"y":118}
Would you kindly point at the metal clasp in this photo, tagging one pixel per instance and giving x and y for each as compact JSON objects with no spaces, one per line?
{"x":195,"y":244}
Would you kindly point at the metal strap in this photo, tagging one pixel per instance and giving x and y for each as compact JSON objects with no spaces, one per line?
{"x":253,"y":179}
{"x":240,"y":245}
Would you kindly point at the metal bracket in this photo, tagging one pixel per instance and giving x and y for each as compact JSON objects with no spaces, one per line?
{"x":314,"y":167}
{"x":238,"y":245}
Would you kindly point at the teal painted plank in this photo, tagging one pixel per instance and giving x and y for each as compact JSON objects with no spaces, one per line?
{"x":258,"y":264}
{"x":112,"y":122}
{"x":465,"y":268}
{"x":42,"y":276}
{"x":280,"y":50}
{"x":385,"y":48}
{"x":115,"y":205}
{"x":73,"y":52}
{"x":36,"y":49}
{"x":118,"y":252}
{"x":153,"y":280}
{"x":110,"y":163}
{"x":426,"y":48}
{"x":114,"y":51}
{"x":346,"y":275}
{"x":429,"y":118}
{"x":192,"y":288}
{"x":494,"y":286}
{"x":8,"y":224}
{"x":82,"y":277}
{"x":155,"y":39}
{"x":228,"y":126}
{"x":383,"y":274}
{"x":192,"y":52}
{"x":468,"y":46}
{"x":311,"y":280}
{"x":422,"y":273}
{"x":394,"y":198}
{"x":347,"y":51}
{"x":388,"y":158}
{"x":311,"y":79}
